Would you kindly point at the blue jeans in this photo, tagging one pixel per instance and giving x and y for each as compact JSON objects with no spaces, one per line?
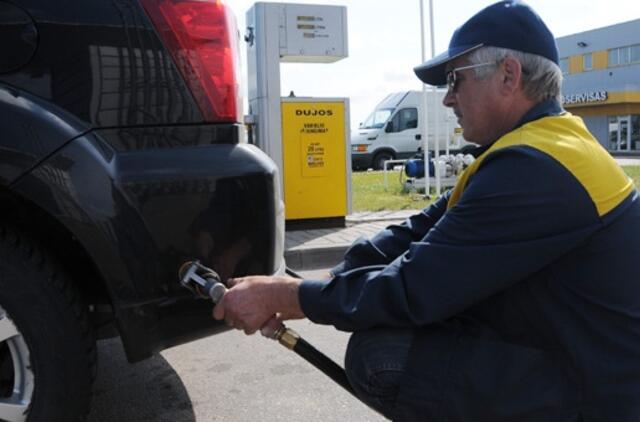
{"x":453,"y":376}
{"x":375,"y":361}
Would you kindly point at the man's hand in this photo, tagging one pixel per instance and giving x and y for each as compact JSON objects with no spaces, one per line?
{"x":252,"y":302}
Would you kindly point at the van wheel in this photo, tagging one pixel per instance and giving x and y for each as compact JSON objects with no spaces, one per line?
{"x":47,"y":350}
{"x":380,"y":158}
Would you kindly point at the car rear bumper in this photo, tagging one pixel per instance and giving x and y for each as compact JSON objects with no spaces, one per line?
{"x":140,"y":214}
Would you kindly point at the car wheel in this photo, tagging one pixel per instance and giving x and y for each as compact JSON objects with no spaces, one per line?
{"x":47,"y":349}
{"x":380,"y":158}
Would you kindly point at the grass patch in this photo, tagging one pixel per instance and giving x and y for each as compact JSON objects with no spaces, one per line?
{"x":634,"y":173}
{"x":370,"y":194}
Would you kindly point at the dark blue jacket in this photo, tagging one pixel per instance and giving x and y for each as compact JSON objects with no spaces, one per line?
{"x":523,"y":283}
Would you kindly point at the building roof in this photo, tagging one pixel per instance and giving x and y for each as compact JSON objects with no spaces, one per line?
{"x":617,"y":35}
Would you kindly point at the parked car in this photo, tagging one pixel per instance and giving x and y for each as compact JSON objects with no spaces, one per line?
{"x":121,"y":157}
{"x":393,"y":130}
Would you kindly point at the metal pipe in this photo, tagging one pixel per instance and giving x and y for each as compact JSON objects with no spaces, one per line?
{"x":425,"y":115}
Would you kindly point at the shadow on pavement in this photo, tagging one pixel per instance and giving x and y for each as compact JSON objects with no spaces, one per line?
{"x":146,"y":391}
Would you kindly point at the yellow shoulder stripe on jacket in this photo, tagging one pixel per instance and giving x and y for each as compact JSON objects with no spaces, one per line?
{"x":567,"y":140}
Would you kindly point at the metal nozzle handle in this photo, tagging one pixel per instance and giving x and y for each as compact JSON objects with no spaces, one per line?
{"x":215,"y":290}
{"x":201,"y":280}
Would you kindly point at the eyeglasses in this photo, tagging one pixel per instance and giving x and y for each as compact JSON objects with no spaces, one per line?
{"x":452,"y":77}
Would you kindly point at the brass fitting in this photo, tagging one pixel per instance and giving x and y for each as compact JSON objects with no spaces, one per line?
{"x":287,"y":337}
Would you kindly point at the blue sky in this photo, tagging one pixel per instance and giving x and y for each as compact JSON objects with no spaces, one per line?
{"x":384,"y":43}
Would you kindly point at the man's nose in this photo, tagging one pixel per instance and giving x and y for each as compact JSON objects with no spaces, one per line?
{"x":449,"y":99}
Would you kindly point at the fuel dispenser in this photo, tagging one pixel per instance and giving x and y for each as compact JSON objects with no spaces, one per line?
{"x":315,"y":155}
{"x":308,"y":138}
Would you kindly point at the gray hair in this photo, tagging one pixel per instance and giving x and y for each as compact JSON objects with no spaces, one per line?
{"x":541,"y":78}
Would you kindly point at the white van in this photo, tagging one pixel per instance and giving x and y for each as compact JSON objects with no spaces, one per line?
{"x":393,"y":130}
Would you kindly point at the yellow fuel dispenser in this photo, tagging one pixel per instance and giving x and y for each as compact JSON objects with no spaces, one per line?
{"x":307,"y":138}
{"x":316,"y":160}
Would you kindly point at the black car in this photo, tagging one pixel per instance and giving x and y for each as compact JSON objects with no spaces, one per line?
{"x":122,"y":156}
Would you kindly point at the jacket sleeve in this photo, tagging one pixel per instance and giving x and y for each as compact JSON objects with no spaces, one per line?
{"x":393,"y":241}
{"x":519,"y":212}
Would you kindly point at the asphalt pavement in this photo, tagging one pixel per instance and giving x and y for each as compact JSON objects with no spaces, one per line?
{"x":228,"y":377}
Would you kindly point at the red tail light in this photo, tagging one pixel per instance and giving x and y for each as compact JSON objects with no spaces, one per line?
{"x":202,"y":37}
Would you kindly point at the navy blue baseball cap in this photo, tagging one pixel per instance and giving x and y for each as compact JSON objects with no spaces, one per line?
{"x":508,"y":24}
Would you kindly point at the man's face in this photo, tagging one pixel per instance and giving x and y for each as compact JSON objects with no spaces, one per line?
{"x":475,"y":102}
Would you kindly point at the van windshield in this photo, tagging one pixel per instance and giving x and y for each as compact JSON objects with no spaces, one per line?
{"x":377,"y":119}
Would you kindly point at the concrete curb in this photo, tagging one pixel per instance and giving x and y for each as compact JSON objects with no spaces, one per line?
{"x":370,"y":217}
{"x":324,"y":248}
{"x":313,"y":258}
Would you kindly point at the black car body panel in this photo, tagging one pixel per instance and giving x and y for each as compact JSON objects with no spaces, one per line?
{"x":18,"y":37}
{"x":31,"y":130}
{"x":163,"y":137}
{"x":141,"y":214}
{"x":101,"y":138}
{"x":103,"y":62}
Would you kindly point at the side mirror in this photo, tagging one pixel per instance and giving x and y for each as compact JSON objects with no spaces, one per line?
{"x":360,"y":124}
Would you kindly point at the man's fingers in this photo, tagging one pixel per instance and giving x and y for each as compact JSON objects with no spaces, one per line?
{"x":270,"y":327}
{"x":234,"y":281}
{"x":218,"y":311}
{"x":251,"y":302}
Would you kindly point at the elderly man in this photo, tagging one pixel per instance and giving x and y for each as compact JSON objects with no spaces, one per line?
{"x":515,"y":296}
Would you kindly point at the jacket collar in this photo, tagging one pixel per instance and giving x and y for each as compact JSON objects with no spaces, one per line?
{"x":548,"y":107}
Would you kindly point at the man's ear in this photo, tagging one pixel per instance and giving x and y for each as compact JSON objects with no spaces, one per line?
{"x":511,"y":75}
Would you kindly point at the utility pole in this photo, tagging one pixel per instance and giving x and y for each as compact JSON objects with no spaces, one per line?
{"x":425,"y":132}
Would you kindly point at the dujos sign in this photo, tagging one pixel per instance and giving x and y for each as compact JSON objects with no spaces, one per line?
{"x":585,"y":97}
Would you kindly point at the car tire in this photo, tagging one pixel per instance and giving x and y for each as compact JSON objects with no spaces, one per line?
{"x":47,"y":348}
{"x":380,"y":158}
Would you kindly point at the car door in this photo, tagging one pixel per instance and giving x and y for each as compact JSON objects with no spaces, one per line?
{"x":402,"y":132}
